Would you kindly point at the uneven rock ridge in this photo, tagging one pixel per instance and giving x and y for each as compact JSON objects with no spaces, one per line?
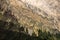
{"x":34,"y":14}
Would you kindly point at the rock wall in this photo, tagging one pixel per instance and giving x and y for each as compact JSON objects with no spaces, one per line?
{"x":34,"y":15}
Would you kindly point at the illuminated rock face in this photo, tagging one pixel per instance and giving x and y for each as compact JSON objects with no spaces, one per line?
{"x":35,"y":14}
{"x":49,"y":6}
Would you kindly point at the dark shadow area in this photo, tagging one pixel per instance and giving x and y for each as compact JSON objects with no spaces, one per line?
{"x":10,"y":35}
{"x":6,"y":34}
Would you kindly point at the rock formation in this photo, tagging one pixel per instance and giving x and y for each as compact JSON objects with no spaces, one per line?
{"x":33,"y":15}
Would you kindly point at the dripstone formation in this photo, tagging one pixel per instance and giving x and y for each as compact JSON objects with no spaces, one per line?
{"x":42,"y":15}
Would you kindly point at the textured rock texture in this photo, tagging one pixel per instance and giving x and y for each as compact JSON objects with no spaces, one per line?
{"x":34,"y":15}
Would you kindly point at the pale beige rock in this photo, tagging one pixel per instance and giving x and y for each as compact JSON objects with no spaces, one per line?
{"x":36,"y":14}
